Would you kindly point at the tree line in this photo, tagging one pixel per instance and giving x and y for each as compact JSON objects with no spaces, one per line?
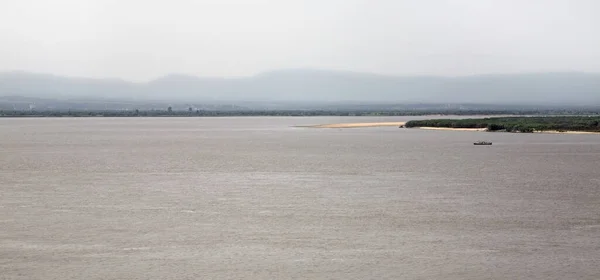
{"x":517,"y":124}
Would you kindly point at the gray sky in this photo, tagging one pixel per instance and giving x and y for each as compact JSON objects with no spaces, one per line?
{"x":143,"y":39}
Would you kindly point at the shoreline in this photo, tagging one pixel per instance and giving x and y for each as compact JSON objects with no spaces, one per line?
{"x":566,"y":132}
{"x":485,"y":130}
{"x":401,"y":125}
{"x":452,"y":129}
{"x":356,"y":125}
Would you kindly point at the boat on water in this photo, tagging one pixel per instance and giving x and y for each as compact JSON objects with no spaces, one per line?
{"x":482,"y":143}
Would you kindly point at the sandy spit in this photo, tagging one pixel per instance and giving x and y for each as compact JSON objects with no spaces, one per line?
{"x":483,"y":129}
{"x":356,"y":125}
{"x":399,"y":124}
{"x":456,"y":129}
{"x":567,"y":132}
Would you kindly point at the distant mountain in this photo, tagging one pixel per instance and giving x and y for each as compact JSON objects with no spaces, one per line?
{"x":319,"y":86}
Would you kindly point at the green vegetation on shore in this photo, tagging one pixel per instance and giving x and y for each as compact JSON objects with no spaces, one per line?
{"x":517,"y":124}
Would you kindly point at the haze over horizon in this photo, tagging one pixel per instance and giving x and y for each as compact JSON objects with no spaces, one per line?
{"x":142,"y":40}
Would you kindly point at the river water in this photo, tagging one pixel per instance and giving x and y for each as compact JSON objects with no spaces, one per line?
{"x":257,"y":198}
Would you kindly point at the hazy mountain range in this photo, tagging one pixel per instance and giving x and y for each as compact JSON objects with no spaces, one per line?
{"x":302,"y":85}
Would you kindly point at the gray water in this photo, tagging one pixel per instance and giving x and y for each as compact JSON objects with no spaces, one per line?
{"x":256,"y":198}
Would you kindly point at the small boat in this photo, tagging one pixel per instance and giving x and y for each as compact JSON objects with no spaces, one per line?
{"x":482,"y":143}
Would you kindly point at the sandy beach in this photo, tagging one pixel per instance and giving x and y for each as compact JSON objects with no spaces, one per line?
{"x":567,"y":132}
{"x":356,"y":125}
{"x":484,"y":129}
{"x":455,"y":129}
{"x":399,"y":124}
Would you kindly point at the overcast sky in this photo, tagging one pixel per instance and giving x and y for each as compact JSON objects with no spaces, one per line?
{"x":143,"y":39}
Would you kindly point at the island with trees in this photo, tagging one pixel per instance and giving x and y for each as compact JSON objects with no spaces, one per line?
{"x":516,"y":124}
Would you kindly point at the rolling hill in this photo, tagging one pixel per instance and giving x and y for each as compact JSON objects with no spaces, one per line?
{"x":318,"y":86}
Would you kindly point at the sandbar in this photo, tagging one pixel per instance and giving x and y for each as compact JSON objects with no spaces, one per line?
{"x":401,"y":124}
{"x":485,"y":129}
{"x":357,"y":125}
{"x":567,"y":132}
{"x":456,"y":129}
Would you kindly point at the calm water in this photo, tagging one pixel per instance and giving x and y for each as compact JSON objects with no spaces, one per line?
{"x":255,"y":198}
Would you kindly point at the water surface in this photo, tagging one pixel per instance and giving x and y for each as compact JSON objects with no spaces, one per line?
{"x":257,"y":198}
